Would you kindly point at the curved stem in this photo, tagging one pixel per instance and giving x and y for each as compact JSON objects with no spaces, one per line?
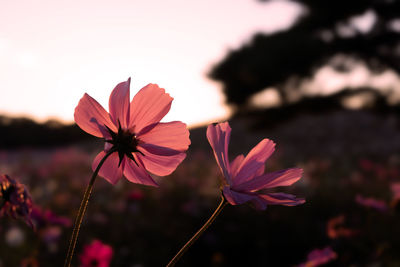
{"x":221,"y":205}
{"x":82,"y":210}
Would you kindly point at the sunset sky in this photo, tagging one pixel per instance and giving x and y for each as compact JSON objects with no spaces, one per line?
{"x":52,"y":52}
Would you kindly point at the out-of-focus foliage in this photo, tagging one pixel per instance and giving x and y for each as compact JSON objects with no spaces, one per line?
{"x":326,"y":34}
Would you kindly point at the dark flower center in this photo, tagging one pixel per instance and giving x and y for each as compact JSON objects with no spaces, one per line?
{"x":124,"y":142}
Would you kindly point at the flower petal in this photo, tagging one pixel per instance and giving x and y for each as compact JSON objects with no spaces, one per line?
{"x":235,"y":164}
{"x":173,"y":135}
{"x":137,"y":174}
{"x":109,"y":170}
{"x":236,"y":198}
{"x":259,"y":203}
{"x":218,"y":136}
{"x":119,"y":104}
{"x":281,"y":199}
{"x":160,"y":160}
{"x":254,"y":161}
{"x":148,"y":106}
{"x":92,"y":117}
{"x":273,"y":179}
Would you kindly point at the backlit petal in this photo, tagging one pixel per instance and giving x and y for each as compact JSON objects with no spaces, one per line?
{"x":235,"y":164}
{"x":218,"y":136}
{"x":160,"y":161}
{"x":281,"y":199}
{"x":273,"y":179}
{"x":173,"y":135}
{"x":137,"y":174}
{"x":92,"y":117}
{"x":259,"y":203}
{"x":148,"y":106}
{"x":254,"y":161}
{"x":119,"y":104}
{"x":236,"y":198}
{"x":109,"y":170}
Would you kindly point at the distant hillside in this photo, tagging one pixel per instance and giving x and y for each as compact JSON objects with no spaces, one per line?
{"x":23,"y":132}
{"x":317,"y":126}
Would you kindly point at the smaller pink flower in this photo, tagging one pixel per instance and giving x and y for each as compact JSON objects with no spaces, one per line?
{"x":15,"y":200}
{"x":132,"y":129}
{"x":319,"y":257}
{"x":97,"y":254}
{"x":244,"y":178}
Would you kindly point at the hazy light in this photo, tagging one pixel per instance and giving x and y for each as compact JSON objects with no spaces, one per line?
{"x":52,"y":51}
{"x":358,"y":101}
{"x":267,"y":98}
{"x":364,"y":22}
{"x":328,"y":81}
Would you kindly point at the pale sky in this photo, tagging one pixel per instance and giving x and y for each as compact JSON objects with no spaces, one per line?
{"x":52,"y":52}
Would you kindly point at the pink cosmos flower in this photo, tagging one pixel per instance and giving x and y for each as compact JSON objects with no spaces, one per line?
{"x":133,"y":129}
{"x":96,"y":254}
{"x":244,"y":178}
{"x":319,"y":257}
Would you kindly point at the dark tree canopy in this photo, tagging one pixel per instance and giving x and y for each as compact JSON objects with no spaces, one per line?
{"x":324,"y":35}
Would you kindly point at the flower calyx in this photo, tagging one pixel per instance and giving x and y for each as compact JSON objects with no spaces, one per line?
{"x":123,"y":142}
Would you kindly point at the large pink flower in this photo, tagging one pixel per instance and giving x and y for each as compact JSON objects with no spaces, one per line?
{"x":244,"y":178}
{"x":133,"y":129}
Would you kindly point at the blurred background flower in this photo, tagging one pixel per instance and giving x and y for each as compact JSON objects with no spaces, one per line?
{"x":96,"y":254}
{"x":15,"y":201}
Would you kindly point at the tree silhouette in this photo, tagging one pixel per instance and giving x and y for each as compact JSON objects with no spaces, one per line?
{"x":325,"y":35}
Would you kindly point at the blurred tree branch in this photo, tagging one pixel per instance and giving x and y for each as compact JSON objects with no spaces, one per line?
{"x":325,"y":35}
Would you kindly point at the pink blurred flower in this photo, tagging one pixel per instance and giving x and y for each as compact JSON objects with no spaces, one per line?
{"x":43,"y":218}
{"x":372,"y":203}
{"x":96,"y":254}
{"x":335,"y":228}
{"x":48,"y":225}
{"x":244,"y":178}
{"x":395,"y":187}
{"x":134,"y":130}
{"x":318,"y":257}
{"x":135,"y":195}
{"x":15,"y":200}
{"x":29,"y":262}
{"x":366,"y":164}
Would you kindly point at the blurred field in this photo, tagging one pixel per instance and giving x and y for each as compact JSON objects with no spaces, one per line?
{"x":348,"y":157}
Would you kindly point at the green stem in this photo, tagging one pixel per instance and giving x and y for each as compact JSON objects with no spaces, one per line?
{"x":82,"y":210}
{"x":221,"y":205}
